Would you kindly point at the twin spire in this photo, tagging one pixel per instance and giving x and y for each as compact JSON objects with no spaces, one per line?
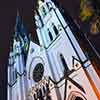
{"x":20,"y":34}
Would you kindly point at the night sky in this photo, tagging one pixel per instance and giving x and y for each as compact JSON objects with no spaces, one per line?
{"x":8,"y":10}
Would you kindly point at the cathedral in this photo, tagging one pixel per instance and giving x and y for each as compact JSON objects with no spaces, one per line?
{"x":57,"y":68}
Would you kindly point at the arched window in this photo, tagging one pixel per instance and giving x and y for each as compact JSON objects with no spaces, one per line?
{"x":47,"y":87}
{"x":48,"y":97}
{"x":44,"y":12}
{"x":44,"y":89}
{"x":50,"y":35}
{"x":78,"y":98}
{"x":40,"y":96}
{"x":40,"y":93}
{"x":64,"y":62}
{"x":35,"y":97}
{"x":15,"y":73}
{"x":55,"y":29}
{"x":49,"y":5}
{"x":11,"y":42}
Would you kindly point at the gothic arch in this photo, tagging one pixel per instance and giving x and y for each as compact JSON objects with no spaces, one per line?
{"x":76,"y":95}
{"x":50,"y":35}
{"x":49,"y":5}
{"x":63,"y":62}
{"x":55,"y":29}
{"x":31,"y":68}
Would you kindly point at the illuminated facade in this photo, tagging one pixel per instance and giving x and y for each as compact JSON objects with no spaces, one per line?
{"x":57,"y":69}
{"x":17,"y":81}
{"x":69,"y":72}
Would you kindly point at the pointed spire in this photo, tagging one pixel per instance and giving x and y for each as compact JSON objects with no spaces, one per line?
{"x":17,"y":13}
{"x":18,"y":23}
{"x":23,"y":29}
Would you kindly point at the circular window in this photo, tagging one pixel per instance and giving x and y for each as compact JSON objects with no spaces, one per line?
{"x":38,"y":72}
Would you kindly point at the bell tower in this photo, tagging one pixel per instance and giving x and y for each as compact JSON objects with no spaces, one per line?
{"x":17,"y":82}
{"x":71,"y":69}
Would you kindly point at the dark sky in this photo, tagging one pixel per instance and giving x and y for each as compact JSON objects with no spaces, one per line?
{"x":8,"y":10}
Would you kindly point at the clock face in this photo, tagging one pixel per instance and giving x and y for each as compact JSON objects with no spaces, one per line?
{"x":38,"y":72}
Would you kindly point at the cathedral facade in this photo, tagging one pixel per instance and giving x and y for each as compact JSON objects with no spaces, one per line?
{"x":57,"y":69}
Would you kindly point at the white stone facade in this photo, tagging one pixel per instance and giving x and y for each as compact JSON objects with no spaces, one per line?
{"x":61,"y":75}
